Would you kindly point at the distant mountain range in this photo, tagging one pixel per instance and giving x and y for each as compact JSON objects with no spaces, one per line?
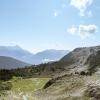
{"x":48,"y":55}
{"x":25,"y":56}
{"x":11,"y":63}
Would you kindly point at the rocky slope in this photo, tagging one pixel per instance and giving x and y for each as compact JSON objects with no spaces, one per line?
{"x":82,"y":59}
{"x":79,"y":79}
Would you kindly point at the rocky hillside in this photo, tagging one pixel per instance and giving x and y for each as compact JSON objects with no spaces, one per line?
{"x":85,"y":59}
{"x":81,"y":59}
{"x":79,"y":78}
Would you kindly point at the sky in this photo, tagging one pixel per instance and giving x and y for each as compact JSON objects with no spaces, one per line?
{"x":36,"y":25}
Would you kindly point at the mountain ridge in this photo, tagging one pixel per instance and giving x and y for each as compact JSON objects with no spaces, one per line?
{"x":11,"y":63}
{"x":23,"y":55}
{"x":77,"y":76}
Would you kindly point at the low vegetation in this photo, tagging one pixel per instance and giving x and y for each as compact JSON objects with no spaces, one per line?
{"x":28,"y":85}
{"x":19,"y":87}
{"x":4,"y":86}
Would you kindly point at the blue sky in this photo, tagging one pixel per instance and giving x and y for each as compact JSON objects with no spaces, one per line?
{"x":37,"y":25}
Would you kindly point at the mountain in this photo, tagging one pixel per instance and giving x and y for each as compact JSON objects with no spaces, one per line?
{"x":48,"y":55}
{"x":11,"y":63}
{"x":83,"y":59}
{"x":15,"y":52}
{"x":75,"y":77}
{"x":25,"y":56}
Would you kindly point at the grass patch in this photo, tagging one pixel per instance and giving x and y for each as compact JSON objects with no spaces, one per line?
{"x":28,"y":85}
{"x":22,"y":88}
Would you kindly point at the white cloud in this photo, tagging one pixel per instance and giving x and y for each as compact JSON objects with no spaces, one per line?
{"x":46,"y":60}
{"x":86,"y":30}
{"x":83,"y":30}
{"x":81,"y":5}
{"x":56,"y":13}
{"x":72,"y":30}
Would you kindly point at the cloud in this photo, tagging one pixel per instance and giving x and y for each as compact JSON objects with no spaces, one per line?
{"x":46,"y":60}
{"x":72,"y":30}
{"x":83,"y":30}
{"x":81,"y":5}
{"x":56,"y":13}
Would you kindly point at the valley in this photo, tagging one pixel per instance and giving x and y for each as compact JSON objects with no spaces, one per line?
{"x":49,"y":50}
{"x":76,"y":76}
